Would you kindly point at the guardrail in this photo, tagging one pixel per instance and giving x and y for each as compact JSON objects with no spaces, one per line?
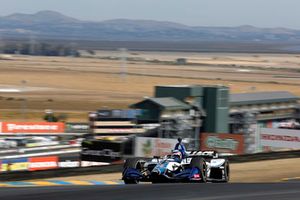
{"x":64,"y":172}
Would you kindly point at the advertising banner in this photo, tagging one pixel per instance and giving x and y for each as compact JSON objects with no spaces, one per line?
{"x":69,"y":164}
{"x":149,"y":147}
{"x":72,"y":164}
{"x":43,"y":163}
{"x":77,"y":128}
{"x":20,"y":164}
{"x":282,"y":138}
{"x":223,"y":143}
{"x":64,"y":162}
{"x":32,"y":127}
{"x":91,"y":164}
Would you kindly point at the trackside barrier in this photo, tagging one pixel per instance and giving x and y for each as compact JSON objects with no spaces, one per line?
{"x":77,"y":171}
{"x":60,"y":172}
{"x":264,"y":156}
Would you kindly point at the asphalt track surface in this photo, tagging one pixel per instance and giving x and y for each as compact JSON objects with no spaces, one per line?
{"x":214,"y":191}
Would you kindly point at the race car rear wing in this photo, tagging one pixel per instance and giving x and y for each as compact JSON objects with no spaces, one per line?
{"x":208,"y":153}
{"x":212,"y":154}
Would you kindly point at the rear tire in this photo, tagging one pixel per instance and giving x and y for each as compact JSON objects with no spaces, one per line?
{"x":226,"y":172}
{"x":134,"y":163}
{"x":200,"y":163}
{"x":217,"y":173}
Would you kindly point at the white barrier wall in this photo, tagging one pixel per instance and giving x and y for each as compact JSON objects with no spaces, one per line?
{"x":149,"y":147}
{"x":282,"y":138}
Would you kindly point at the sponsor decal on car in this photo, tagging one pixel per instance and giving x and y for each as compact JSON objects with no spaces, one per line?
{"x":196,"y":176}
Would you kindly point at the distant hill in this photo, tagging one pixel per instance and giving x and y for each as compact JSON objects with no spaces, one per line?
{"x":53,"y":25}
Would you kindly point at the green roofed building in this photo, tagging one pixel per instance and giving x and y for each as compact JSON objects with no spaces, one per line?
{"x":262,"y":98}
{"x":269,"y":108}
{"x":155,"y":108}
{"x":223,"y":112}
{"x":211,"y":99}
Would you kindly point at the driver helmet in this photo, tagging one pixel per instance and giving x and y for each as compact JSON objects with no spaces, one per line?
{"x":176,"y":154}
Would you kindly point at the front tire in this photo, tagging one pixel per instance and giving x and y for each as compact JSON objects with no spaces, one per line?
{"x":200,"y":163}
{"x":134,"y":163}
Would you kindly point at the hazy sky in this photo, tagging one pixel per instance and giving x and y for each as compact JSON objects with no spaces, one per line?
{"x":261,"y":13}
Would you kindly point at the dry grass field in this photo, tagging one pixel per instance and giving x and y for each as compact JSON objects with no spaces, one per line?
{"x":74,"y":86}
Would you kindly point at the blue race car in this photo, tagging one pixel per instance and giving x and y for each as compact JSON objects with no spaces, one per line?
{"x":196,"y":166}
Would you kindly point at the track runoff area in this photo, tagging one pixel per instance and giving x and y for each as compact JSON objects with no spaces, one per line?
{"x":90,"y":190}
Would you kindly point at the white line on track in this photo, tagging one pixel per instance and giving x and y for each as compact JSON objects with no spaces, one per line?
{"x":22,"y":150}
{"x":41,"y":154}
